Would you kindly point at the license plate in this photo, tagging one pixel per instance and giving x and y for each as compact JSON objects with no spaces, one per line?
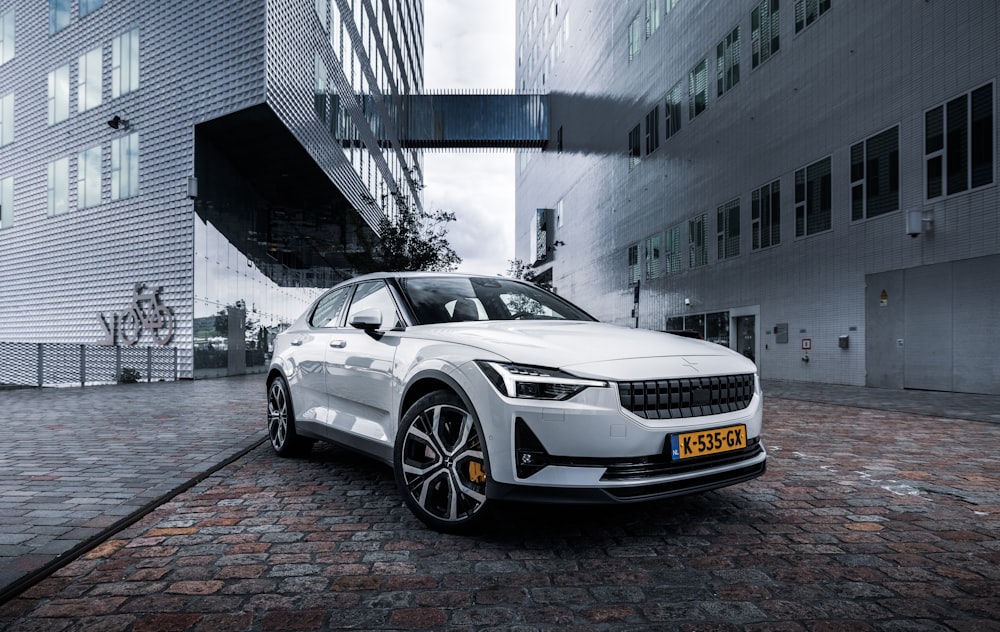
{"x":705,"y":442}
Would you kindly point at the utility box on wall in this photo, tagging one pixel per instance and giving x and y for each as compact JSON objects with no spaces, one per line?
{"x":844,"y":342}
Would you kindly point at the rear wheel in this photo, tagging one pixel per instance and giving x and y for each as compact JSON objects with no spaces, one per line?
{"x":281,"y":421}
{"x":440,"y":463}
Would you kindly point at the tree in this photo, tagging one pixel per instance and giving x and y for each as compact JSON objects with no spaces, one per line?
{"x":414,"y":240}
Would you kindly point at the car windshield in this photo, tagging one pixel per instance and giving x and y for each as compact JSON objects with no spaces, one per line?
{"x":453,"y":299}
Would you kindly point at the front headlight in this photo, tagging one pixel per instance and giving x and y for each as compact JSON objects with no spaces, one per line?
{"x":532,"y":382}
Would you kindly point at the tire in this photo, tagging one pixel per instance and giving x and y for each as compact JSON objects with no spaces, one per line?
{"x":281,"y":421}
{"x":440,"y":463}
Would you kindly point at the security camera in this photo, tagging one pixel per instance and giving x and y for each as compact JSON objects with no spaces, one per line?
{"x":687,"y":301}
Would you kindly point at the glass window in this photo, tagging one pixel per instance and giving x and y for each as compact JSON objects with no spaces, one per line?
{"x":697,"y":90}
{"x":633,"y":264}
{"x":808,"y":11}
{"x":634,"y":148}
{"x":717,"y":328}
{"x":672,"y":250}
{"x":89,"y":6}
{"x":58,"y":187}
{"x":653,"y":256}
{"x":675,"y":323}
{"x":652,"y":16}
{"x":813,"y":198}
{"x":697,"y":236}
{"x":695,"y":322}
{"x":764,"y":31}
{"x":88,"y":184}
{"x":125,"y":63}
{"x":89,"y":80}
{"x":374,"y":295}
{"x":6,"y":119}
{"x":321,"y":11}
{"x":765,"y":215}
{"x":727,"y":226}
{"x":58,"y":15}
{"x":329,"y":308}
{"x":728,"y":62}
{"x":7,"y":37}
{"x":634,"y":36}
{"x":125,"y":166}
{"x":875,"y":175}
{"x":59,"y":94}
{"x":6,"y":202}
{"x":653,"y":130}
{"x":673,"y":107}
{"x":958,"y":144}
{"x":319,"y":88}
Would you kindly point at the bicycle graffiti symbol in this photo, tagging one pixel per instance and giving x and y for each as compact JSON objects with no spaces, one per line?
{"x":146,"y":311}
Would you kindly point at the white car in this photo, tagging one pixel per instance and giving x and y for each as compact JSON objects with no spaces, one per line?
{"x":477,"y":388}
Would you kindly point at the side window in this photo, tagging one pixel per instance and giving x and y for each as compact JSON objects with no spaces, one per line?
{"x":327,"y":312}
{"x":375,"y":294}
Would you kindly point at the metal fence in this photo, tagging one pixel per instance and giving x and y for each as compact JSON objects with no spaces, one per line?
{"x":63,"y":364}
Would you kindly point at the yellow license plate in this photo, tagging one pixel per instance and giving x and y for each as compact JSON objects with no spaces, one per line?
{"x":705,"y":442}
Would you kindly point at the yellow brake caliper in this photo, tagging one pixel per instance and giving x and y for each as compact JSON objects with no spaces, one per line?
{"x":476,"y":472}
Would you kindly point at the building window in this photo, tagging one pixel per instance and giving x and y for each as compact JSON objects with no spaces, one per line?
{"x":58,"y":187}
{"x":958,"y":144}
{"x":89,"y":6}
{"x":652,"y":16}
{"x":7,"y":37}
{"x":765,"y":215}
{"x":697,"y":89}
{"x":6,"y":202}
{"x":653,"y":256}
{"x":669,"y":5}
{"x":6,"y":119}
{"x":672,"y":250}
{"x":633,"y":264}
{"x":697,"y":236}
{"x":673,"y":107}
{"x":728,"y":61}
{"x":717,"y":328}
{"x":125,"y":63}
{"x":125,"y":166}
{"x":808,"y":11}
{"x":58,"y":15}
{"x":653,"y":130}
{"x":875,"y":175}
{"x":813,"y":198}
{"x":727,"y":228}
{"x":634,"y":148}
{"x":764,"y":31}
{"x":319,"y":88}
{"x":321,"y":11}
{"x":88,"y":173}
{"x":634,"y":36}
{"x":88,"y":80}
{"x":59,"y":94}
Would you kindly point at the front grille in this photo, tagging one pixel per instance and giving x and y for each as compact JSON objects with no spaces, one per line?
{"x":687,"y":397}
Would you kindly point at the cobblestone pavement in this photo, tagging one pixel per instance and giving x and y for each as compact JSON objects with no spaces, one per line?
{"x":865,"y":520}
{"x":77,"y":462}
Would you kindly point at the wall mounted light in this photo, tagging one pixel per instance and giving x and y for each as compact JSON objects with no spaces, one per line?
{"x":118,"y":123}
{"x":919,"y":221}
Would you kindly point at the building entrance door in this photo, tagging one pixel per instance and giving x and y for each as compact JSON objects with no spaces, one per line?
{"x":746,"y":336}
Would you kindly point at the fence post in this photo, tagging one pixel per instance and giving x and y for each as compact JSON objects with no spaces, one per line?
{"x":176,"y":370}
{"x":118,"y":363}
{"x":41,"y":372}
{"x":83,"y":365}
{"x":149,"y":364}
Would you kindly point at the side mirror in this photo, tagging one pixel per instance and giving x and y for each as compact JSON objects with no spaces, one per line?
{"x":367,"y":319}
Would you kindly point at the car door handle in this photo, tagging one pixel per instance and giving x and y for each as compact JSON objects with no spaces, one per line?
{"x":338,"y":344}
{"x":295,"y":343}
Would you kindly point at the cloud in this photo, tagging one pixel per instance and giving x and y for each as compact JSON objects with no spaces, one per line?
{"x":469,"y":45}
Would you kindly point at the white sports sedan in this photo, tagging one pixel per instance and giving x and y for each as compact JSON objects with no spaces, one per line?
{"x":476,"y":389}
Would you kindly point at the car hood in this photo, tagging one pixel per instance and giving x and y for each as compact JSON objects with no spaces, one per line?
{"x":592,"y":349}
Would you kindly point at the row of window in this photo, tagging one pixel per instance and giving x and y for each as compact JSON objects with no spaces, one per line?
{"x":59,"y":12}
{"x":764,"y":42}
{"x":958,"y":156}
{"x":124,"y":176}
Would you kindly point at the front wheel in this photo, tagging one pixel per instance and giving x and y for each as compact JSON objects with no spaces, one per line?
{"x":281,"y":421}
{"x":440,"y":463}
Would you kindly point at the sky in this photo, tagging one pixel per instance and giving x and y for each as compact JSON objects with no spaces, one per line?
{"x":469,"y":44}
